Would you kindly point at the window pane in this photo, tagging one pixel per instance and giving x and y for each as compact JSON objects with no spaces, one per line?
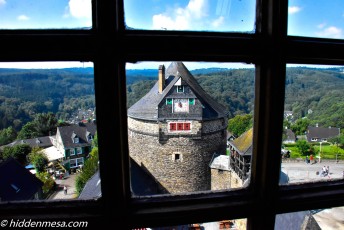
{"x":312,"y":148}
{"x":197,"y":15}
{"x":44,"y":107}
{"x":332,"y":218}
{"x":319,"y":18}
{"x":183,"y":147}
{"x":54,"y":14}
{"x":239,"y":224}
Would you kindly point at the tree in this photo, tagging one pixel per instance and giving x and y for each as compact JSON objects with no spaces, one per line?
{"x":303,"y":146}
{"x":95,"y":140}
{"x":88,"y":170}
{"x":7,"y":135}
{"x":18,"y":152}
{"x":300,"y":126}
{"x":48,"y":181}
{"x":240,"y":124}
{"x":38,"y":159}
{"x":28,"y":131}
{"x":45,"y":123}
{"x":338,"y":140}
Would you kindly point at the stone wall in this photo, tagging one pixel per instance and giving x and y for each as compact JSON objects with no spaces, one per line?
{"x":180,"y":164}
{"x":224,"y":179}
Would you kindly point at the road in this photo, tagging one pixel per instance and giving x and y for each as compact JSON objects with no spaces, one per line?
{"x":70,"y":184}
{"x":299,"y":172}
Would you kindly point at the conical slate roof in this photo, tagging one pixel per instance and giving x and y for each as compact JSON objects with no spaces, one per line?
{"x":147,"y":107}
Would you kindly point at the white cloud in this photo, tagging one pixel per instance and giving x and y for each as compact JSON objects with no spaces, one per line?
{"x":2,"y":2}
{"x":181,"y":18}
{"x":330,"y":32}
{"x":322,"y":25}
{"x":218,"y":22}
{"x":293,"y":9}
{"x":23,"y":17}
{"x":79,"y":9}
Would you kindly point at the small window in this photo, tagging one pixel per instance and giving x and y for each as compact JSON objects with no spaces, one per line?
{"x":76,"y":140}
{"x":191,"y":101}
{"x":72,"y":152}
{"x":180,"y":89}
{"x":173,"y":126}
{"x":186,"y":126}
{"x":180,"y":126}
{"x":78,"y":150}
{"x":168,"y":101}
{"x":176,"y":156}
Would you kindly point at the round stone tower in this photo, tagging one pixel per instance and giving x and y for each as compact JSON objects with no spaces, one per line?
{"x":175,"y":129}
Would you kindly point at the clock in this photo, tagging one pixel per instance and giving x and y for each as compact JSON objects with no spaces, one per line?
{"x":181,"y":105}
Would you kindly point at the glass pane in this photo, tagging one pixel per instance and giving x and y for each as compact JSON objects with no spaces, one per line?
{"x":196,"y":15}
{"x":319,"y":18}
{"x":180,"y":147}
{"x":54,"y":14}
{"x":48,"y":131}
{"x":331,"y":218}
{"x":312,"y":148}
{"x":237,"y":224}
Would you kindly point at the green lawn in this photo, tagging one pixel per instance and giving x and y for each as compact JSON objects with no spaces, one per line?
{"x":327,"y":152}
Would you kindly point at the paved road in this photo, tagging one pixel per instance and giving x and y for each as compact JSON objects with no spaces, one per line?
{"x":70,"y":184}
{"x":299,"y":172}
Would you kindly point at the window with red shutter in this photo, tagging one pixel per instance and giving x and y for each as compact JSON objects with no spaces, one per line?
{"x":186,"y":126}
{"x":180,"y":126}
{"x":172,"y":126}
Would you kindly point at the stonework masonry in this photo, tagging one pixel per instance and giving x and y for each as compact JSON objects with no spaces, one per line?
{"x":224,"y":179}
{"x":189,"y":171}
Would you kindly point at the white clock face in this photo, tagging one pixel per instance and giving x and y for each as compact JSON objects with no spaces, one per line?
{"x":181,"y":105}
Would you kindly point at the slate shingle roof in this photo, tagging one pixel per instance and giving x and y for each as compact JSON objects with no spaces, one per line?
{"x":147,"y":107}
{"x":16,"y":182}
{"x":80,"y":131}
{"x":321,"y":133}
{"x":42,"y":142}
{"x":92,"y":189}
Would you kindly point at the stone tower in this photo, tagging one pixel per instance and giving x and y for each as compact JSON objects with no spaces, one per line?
{"x":174,"y":130}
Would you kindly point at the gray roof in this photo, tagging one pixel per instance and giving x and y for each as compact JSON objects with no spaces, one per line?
{"x":142,"y":183}
{"x":42,"y":142}
{"x":321,"y":132}
{"x":16,"y":182}
{"x":290,"y":135}
{"x":92,"y":189}
{"x":296,"y":220}
{"x":81,"y":130}
{"x":220,"y":162}
{"x":147,"y":107}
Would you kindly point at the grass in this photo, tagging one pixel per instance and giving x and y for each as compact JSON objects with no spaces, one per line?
{"x":327,"y":152}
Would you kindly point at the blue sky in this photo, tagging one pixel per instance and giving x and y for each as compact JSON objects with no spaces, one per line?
{"x":39,"y":14}
{"x":314,"y":18}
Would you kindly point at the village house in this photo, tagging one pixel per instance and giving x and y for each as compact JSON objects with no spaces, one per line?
{"x":321,"y":134}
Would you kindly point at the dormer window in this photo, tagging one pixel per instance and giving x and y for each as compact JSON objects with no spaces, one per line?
{"x":75,"y":138}
{"x":191,"y":101}
{"x":180,"y":89}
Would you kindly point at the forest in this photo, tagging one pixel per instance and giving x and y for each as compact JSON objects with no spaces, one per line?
{"x":313,"y":93}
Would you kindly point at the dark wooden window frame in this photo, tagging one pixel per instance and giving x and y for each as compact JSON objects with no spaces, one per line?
{"x":109,"y":45}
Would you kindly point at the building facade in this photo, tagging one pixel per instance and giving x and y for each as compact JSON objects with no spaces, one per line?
{"x":174,"y":130}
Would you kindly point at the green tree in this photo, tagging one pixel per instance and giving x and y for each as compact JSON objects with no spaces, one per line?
{"x":38,"y":159}
{"x":45,"y":123}
{"x":28,"y":131}
{"x":338,"y":140}
{"x":95,"y":140}
{"x":88,"y":170}
{"x":7,"y":135}
{"x":18,"y":152}
{"x":240,"y":124}
{"x":48,"y":181}
{"x":300,"y":126}
{"x":303,"y":146}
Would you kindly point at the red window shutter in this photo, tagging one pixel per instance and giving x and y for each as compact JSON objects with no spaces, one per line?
{"x":172,"y":126}
{"x":186,"y":126}
{"x":180,"y":126}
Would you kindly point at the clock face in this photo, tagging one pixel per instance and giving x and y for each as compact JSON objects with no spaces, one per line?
{"x":180,"y":105}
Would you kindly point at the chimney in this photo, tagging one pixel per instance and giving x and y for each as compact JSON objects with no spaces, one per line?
{"x":161,"y":78}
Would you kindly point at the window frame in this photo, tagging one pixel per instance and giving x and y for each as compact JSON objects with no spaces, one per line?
{"x":109,"y":45}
